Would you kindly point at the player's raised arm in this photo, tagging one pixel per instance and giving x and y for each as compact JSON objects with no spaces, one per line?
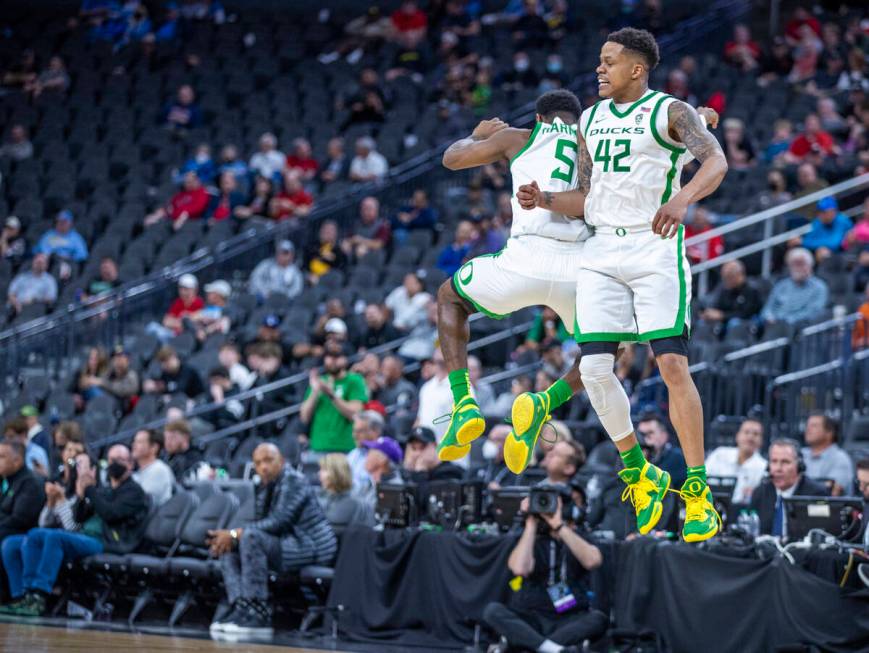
{"x":686,"y":127}
{"x":486,"y":144}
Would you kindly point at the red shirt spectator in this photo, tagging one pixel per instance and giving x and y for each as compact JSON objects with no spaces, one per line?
{"x":187,"y":303}
{"x":193,"y":202}
{"x":409,"y":18}
{"x":292,"y":201}
{"x":813,"y":140}
{"x":709,"y":249}
{"x":300,"y":162}
{"x":801,"y":17}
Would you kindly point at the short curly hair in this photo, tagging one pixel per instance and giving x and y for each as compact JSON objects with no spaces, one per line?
{"x":558,"y":101}
{"x":640,"y":41}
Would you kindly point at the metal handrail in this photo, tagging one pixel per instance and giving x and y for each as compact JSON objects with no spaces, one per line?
{"x":806,"y":373}
{"x":759,"y":348}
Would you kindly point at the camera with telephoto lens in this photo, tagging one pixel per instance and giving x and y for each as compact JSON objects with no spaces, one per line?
{"x":542,"y":501}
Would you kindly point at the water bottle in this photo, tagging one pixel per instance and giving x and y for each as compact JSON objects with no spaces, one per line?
{"x":743,"y":521}
{"x":754,"y":522}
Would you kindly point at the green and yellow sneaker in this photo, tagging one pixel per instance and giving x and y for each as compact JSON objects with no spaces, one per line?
{"x":702,"y":521}
{"x":530,"y":412}
{"x":466,"y":425}
{"x":646,"y":488}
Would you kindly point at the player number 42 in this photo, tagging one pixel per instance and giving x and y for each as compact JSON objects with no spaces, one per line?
{"x":602,"y":154}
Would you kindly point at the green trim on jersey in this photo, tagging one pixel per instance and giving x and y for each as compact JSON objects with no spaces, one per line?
{"x":679,"y":326}
{"x":527,"y":143}
{"x":627,"y":112}
{"x":590,"y":118}
{"x":457,"y":284}
{"x":603,"y":336}
{"x":675,"y":152}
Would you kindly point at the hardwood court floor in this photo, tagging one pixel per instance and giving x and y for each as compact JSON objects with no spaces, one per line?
{"x":24,"y":638}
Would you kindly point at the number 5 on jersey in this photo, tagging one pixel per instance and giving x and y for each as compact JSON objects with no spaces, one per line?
{"x":603,"y":154}
{"x":568,"y":158}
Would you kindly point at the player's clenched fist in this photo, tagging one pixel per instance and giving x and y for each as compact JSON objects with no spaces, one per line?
{"x":528,"y":196}
{"x":488,"y":127}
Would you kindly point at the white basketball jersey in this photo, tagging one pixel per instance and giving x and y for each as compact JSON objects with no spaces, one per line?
{"x":637,"y":165}
{"x":549,"y":158}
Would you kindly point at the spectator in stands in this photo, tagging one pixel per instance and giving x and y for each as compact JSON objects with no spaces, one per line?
{"x":553,"y":77}
{"x":32,"y":562}
{"x":778,"y":63}
{"x":530,"y":30}
{"x":454,"y":255}
{"x":824,"y":459}
{"x":415,"y":215}
{"x":494,"y":472}
{"x":183,"y":113}
{"x":337,"y":165}
{"x":229,"y":357}
{"x":547,"y":326}
{"x":742,"y":461}
{"x":107,"y":279}
{"x":326,"y":254}
{"x":300,"y":162}
{"x":120,"y":380}
{"x":201,"y":163}
{"x":35,"y":286}
{"x":831,"y":121}
{"x":292,"y":202}
{"x":367,"y":104}
{"x":435,"y":397}
{"x":174,"y":378}
{"x":87,"y":382}
{"x":189,"y":203}
{"x":331,"y":401}
{"x":552,"y":356}
{"x":483,"y":391}
{"x":503,"y":404}
{"x":776,"y":192}
{"x":371,"y":232}
{"x":858,"y":236}
{"x":808,"y":182}
{"x":152,"y":474}
{"x":368,"y":425}
{"x":18,"y":146}
{"x":36,"y":433}
{"x":778,"y":146}
{"x":408,"y":303}
{"x":742,"y":52}
{"x":222,"y":390}
{"x":735,"y":300}
{"x":259,"y":202}
{"x":562,"y":461}
{"x":63,"y":241}
{"x":737,"y":145}
{"x":490,"y":236}
{"x":422,"y":338}
{"x":223,"y":205}
{"x":550,"y":550}
{"x":13,"y":244}
{"x":382,"y":462}
{"x":828,"y":231}
{"x":368,"y":164}
{"x":656,"y":438}
{"x":394,"y":389}
{"x":66,"y":434}
{"x":22,"y":72}
{"x":35,"y":456}
{"x":814,"y":144}
{"x":701,"y":222}
{"x":409,"y":24}
{"x":278,"y":275}
{"x":21,"y":492}
{"x":520,"y":77}
{"x":377,"y":329}
{"x":289,"y":531}
{"x":786,"y":479}
{"x":269,"y":162}
{"x":183,"y":459}
{"x":213,"y":317}
{"x":186,"y":304}
{"x":341,"y":508}
{"x":230,"y":161}
{"x":54,"y":78}
{"x":801,"y":297}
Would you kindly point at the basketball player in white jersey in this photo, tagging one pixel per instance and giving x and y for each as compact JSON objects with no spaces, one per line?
{"x":635,"y":281}
{"x":537,"y":266}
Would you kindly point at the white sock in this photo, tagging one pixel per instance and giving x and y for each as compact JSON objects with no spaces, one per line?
{"x":550,"y":647}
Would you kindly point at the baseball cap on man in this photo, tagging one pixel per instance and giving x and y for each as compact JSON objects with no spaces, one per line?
{"x":188,"y":281}
{"x":286,"y":246}
{"x":336,"y":325}
{"x":29,"y":410}
{"x":272,"y":321}
{"x":221,"y":287}
{"x":387,"y":446}
{"x":827,"y":203}
{"x":66,"y":215}
{"x":13,"y":221}
{"x":422,"y":434}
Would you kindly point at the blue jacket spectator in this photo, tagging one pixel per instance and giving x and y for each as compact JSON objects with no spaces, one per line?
{"x":183,"y":112}
{"x":453,"y":255}
{"x":201,"y":163}
{"x":35,"y":457}
{"x":801,"y":296}
{"x":828,"y":229}
{"x":229,"y":162}
{"x":33,"y":286}
{"x":63,"y":241}
{"x":415,"y":215}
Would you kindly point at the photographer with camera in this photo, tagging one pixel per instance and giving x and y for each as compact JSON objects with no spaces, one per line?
{"x":549,"y":610}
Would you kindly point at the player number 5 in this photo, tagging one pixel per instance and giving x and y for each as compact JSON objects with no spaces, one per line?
{"x":569,"y":159}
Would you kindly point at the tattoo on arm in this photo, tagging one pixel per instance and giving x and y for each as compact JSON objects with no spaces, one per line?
{"x":547,"y":198}
{"x":685,"y":123}
{"x":585,"y":167}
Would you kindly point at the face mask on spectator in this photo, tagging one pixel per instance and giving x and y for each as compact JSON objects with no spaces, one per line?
{"x":553,"y":66}
{"x":490,"y":450}
{"x":116,"y":470}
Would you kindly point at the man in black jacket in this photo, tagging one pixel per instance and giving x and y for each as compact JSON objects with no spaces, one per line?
{"x":182,"y":458}
{"x":786,"y":479}
{"x":735,"y":299}
{"x":122,"y":505}
{"x":289,"y":532}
